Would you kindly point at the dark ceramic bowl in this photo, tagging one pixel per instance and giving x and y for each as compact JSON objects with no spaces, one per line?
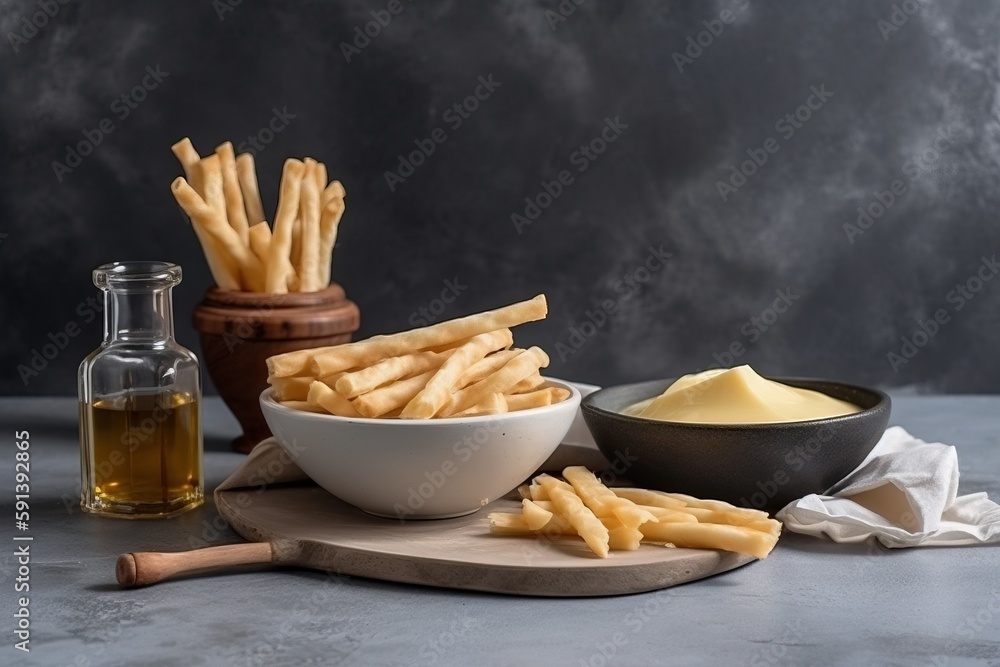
{"x":764,"y":466}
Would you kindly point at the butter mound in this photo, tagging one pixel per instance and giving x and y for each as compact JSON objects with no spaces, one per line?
{"x":738,"y":396}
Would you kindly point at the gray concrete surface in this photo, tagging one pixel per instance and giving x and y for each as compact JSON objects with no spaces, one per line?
{"x":809,"y":603}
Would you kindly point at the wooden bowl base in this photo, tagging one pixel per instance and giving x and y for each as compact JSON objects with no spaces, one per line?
{"x":240,"y":330}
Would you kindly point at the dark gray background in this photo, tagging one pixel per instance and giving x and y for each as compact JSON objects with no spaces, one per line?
{"x":656,"y":185}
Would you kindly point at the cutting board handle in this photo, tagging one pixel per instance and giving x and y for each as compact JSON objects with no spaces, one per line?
{"x":142,"y":568}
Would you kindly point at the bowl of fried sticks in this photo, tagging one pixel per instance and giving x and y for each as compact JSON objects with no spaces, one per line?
{"x":429,"y":423}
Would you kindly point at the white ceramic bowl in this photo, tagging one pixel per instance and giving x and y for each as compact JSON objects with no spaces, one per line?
{"x":421,"y":469}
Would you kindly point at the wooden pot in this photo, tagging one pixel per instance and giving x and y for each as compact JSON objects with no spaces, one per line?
{"x":240,"y":330}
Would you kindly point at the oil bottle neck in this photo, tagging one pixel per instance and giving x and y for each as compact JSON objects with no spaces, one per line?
{"x":138,"y":315}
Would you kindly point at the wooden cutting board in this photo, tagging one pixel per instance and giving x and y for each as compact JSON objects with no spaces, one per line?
{"x":308,"y":527}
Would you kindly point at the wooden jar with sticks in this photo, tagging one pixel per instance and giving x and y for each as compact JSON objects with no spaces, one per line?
{"x":273,"y":292}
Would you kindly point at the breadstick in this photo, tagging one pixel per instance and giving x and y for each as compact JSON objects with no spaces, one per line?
{"x":386,"y":399}
{"x":494,"y":405}
{"x":293,"y":281}
{"x":711,"y":536}
{"x":220,"y":264}
{"x":506,"y":523}
{"x":185,"y":153}
{"x":247,"y":174}
{"x":578,"y":515}
{"x":308,"y":173}
{"x":211,"y":220}
{"x":602,"y":501}
{"x":305,"y":406}
{"x":437,"y":393}
{"x":536,"y":399}
{"x":351,"y":385}
{"x":299,"y":362}
{"x":260,"y":241}
{"x":210,"y":169}
{"x":295,"y":252}
{"x":515,"y":370}
{"x":718,"y":506}
{"x":648,"y":497}
{"x":333,"y":211}
{"x":451,"y":345}
{"x":535,"y":516}
{"x":309,"y":249}
{"x":331,"y":190}
{"x":531,"y":383}
{"x":331,"y":401}
{"x":235,"y":211}
{"x":291,"y":389}
{"x":223,"y":268}
{"x":279,"y":260}
{"x":321,"y":181}
{"x":486,"y":367}
{"x":366,"y":352}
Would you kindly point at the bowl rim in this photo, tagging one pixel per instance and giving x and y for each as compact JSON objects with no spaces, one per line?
{"x":884,"y":402}
{"x":268,"y":402}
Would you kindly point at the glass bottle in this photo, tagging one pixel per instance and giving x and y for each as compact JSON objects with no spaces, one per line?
{"x":140,"y":401}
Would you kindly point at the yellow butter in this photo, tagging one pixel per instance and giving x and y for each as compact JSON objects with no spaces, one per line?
{"x":738,"y":396}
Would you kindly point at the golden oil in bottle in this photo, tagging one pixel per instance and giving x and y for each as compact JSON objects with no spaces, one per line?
{"x":140,"y":401}
{"x":146,"y":454}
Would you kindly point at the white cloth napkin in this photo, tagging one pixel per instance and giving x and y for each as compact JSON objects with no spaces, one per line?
{"x":904,"y":494}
